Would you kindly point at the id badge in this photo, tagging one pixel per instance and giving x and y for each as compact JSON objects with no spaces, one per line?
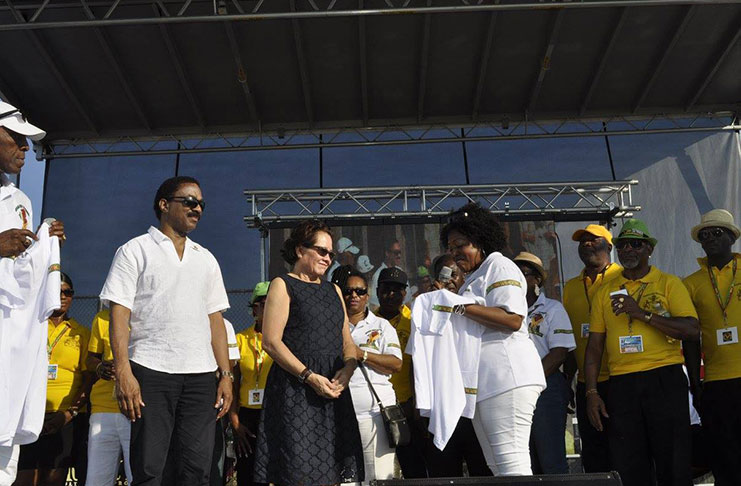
{"x":51,"y":372}
{"x":255,"y":397}
{"x":729,"y":335}
{"x":585,"y":330}
{"x":631,"y":344}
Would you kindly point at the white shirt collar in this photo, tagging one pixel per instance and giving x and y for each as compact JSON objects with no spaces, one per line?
{"x":539,"y":302}
{"x":6,"y":187}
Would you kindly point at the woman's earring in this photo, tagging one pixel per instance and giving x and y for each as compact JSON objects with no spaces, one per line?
{"x":536,"y":290}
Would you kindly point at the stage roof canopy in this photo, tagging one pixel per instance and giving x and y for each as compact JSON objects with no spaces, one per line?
{"x":101,"y":69}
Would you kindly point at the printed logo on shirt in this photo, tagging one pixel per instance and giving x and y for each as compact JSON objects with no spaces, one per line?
{"x":23,"y":215}
{"x":563,"y":331}
{"x":503,"y":283}
{"x":471,"y":391}
{"x":373,"y":336}
{"x":442,"y":308}
{"x":72,"y":342}
{"x":55,"y":268}
{"x":534,"y":327}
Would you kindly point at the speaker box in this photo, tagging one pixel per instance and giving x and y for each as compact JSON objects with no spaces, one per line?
{"x":592,"y":479}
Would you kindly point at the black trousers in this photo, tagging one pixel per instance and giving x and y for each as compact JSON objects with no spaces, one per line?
{"x":412,"y":457}
{"x":182,"y":404}
{"x":650,"y":433}
{"x":721,"y":419}
{"x":595,"y":445}
{"x":250,"y":418}
{"x":462,"y":446}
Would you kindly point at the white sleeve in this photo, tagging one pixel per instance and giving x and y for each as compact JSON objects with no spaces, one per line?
{"x":560,"y":332}
{"x":120,"y":285}
{"x":216,"y":300}
{"x":505,"y":287}
{"x":391,"y":341}
{"x":231,"y":341}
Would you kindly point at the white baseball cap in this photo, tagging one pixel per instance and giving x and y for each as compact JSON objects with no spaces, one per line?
{"x":12,"y":119}
{"x":364,"y":264}
{"x":345,"y":244}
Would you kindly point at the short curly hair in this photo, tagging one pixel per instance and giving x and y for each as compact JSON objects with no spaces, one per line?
{"x":303,"y":234}
{"x":170,"y":187}
{"x":477,"y":224}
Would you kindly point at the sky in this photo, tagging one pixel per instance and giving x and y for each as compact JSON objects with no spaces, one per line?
{"x":32,"y":183}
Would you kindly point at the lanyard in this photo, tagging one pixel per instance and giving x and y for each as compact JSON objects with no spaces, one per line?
{"x":714,"y":282}
{"x":50,"y":346}
{"x":586,"y":291}
{"x":259,"y":360}
{"x":637,"y":295}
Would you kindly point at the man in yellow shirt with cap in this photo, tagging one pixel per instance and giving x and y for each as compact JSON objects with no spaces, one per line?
{"x":595,"y":245}
{"x":639,"y":319}
{"x":716,"y":292}
{"x":249,"y":387}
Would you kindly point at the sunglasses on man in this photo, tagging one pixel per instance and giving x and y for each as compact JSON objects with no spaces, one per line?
{"x":189,"y":202}
{"x":360,"y":291}
{"x":635,"y":244}
{"x":705,"y":234}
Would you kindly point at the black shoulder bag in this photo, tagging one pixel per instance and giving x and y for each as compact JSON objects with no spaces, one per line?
{"x":397,"y":427}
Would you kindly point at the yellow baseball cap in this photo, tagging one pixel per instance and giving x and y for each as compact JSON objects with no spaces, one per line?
{"x":593,"y":229}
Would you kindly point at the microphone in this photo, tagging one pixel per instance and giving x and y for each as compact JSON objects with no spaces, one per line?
{"x":445,"y":274}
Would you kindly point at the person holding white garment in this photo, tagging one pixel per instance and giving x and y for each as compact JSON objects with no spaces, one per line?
{"x":510,"y":375}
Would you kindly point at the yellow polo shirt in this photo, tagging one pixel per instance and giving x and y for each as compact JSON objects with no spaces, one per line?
{"x":69,"y":341}
{"x":664,"y":294}
{"x":721,"y":362}
{"x":402,"y":381}
{"x":102,"y":396}
{"x":578,"y":295}
{"x":254,"y":374}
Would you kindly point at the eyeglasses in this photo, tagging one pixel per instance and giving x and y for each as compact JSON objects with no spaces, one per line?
{"x":67,"y":292}
{"x":395,"y":252}
{"x":704,"y":234}
{"x":321,"y":250}
{"x":358,"y":290}
{"x":623,"y":244}
{"x":189,"y":202}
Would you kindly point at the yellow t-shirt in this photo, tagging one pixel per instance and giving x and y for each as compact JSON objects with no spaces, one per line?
{"x":102,"y":396}
{"x":721,"y":362}
{"x":578,"y":303}
{"x":662,"y":294}
{"x":68,"y":342}
{"x":250,"y":350}
{"x":402,"y":381}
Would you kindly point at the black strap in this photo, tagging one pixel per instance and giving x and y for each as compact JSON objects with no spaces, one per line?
{"x":8,"y":113}
{"x":370,"y":385}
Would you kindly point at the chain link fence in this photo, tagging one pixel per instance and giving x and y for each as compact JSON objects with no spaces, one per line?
{"x":84,"y":308}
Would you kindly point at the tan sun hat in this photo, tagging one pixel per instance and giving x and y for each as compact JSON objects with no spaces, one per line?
{"x":717,"y":218}
{"x":533,"y":260}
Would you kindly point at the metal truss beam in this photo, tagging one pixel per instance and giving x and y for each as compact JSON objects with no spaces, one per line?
{"x":545,"y":62}
{"x":659,"y":66}
{"x":562,"y":201}
{"x":385,"y":136}
{"x":602,"y":64}
{"x":333,"y":10}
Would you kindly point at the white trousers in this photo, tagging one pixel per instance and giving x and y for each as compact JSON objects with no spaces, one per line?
{"x":378,"y":457}
{"x":110,"y":434}
{"x":502,"y":424}
{"x":8,"y":464}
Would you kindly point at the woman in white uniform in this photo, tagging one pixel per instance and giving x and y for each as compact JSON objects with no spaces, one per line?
{"x":377,"y":348}
{"x":510,"y":374}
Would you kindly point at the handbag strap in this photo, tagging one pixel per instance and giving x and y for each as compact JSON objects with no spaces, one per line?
{"x":370,"y":385}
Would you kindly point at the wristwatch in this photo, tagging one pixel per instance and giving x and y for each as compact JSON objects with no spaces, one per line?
{"x":73,"y":411}
{"x":459,"y":309}
{"x":648,"y":316}
{"x":365,"y":356}
{"x":226,"y":373}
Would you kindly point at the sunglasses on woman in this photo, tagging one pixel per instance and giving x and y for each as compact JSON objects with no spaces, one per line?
{"x":189,"y":202}
{"x":321,"y":250}
{"x":705,"y":234}
{"x":68,"y":292}
{"x":358,"y":290}
{"x":623,"y":244}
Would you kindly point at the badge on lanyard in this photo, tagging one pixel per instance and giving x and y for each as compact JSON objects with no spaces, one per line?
{"x":585,"y":330}
{"x":631,"y":344}
{"x":51,"y":372}
{"x":255,"y":396}
{"x":729,"y":335}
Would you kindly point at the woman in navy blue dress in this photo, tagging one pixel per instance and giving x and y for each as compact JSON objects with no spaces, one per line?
{"x":308,"y":433}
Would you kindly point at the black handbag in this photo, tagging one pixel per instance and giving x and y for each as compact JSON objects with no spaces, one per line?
{"x":397,"y":427}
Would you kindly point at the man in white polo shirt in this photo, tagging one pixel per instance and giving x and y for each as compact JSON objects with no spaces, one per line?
{"x":168,"y":338}
{"x":16,"y":236}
